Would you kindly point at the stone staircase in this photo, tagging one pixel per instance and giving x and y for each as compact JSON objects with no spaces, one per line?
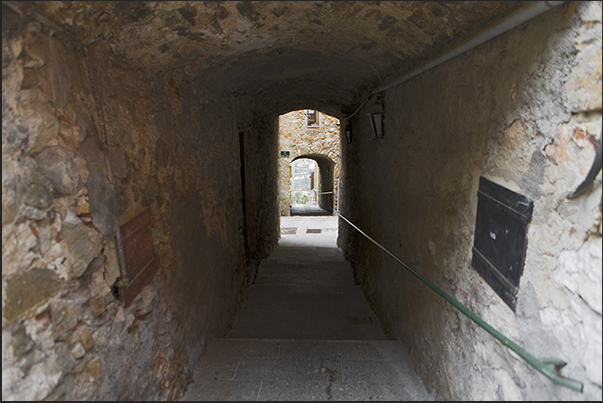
{"x":306,"y":332}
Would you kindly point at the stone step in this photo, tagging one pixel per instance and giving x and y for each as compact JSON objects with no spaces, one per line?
{"x":295,"y":257}
{"x":336,"y":273}
{"x":305,"y":332}
{"x":286,"y":263}
{"x":251,"y":369}
{"x":306,"y":311}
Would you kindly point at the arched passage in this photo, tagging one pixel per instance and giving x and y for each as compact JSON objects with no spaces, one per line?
{"x":309,"y":133}
{"x":113,"y":111}
{"x":325,"y":181}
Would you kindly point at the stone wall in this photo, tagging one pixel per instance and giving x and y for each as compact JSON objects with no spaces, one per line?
{"x":261,"y":188}
{"x":523,"y":110}
{"x":87,"y":145}
{"x":300,"y":140}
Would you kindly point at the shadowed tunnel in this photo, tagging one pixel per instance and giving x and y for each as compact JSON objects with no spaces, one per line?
{"x":140,"y":198}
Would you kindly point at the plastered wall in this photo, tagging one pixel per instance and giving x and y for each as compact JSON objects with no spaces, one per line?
{"x":523,"y":110}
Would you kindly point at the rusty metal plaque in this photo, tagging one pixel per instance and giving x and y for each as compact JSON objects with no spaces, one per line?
{"x":500,"y":240}
{"x":313,"y":231}
{"x":139,"y":254}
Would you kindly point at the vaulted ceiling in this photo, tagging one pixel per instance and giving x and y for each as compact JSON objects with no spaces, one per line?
{"x":290,"y":54}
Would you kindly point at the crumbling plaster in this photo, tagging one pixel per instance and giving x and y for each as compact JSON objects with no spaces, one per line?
{"x":523,"y":110}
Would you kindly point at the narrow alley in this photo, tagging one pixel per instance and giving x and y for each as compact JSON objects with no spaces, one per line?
{"x":306,"y":332}
{"x":172,"y":170}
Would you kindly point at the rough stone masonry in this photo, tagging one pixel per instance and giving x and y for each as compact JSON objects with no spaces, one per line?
{"x":320,"y":143}
{"x":88,"y":144}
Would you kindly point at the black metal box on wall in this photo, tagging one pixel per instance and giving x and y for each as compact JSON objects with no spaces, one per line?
{"x":500,"y":242}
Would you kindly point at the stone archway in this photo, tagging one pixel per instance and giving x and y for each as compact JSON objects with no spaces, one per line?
{"x":314,"y":135}
{"x":325,"y":178}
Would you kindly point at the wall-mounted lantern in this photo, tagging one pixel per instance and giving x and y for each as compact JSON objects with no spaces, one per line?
{"x":348,"y":132}
{"x":376,"y":116}
{"x":376,"y":121}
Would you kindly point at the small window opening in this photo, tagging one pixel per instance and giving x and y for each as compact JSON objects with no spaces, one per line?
{"x":312,"y":118}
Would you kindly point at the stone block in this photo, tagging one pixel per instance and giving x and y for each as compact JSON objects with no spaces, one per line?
{"x":44,"y":234}
{"x":78,"y":351}
{"x":65,"y":170}
{"x":97,"y":305}
{"x":41,"y":379}
{"x":93,"y":369}
{"x":9,"y":191}
{"x":16,"y":137}
{"x":27,"y":360}
{"x":96,"y":264}
{"x":36,"y":189}
{"x":33,"y":213}
{"x":83,"y":244}
{"x":100,"y":337}
{"x":83,"y":209}
{"x":63,"y":358}
{"x":18,"y":243}
{"x":21,"y":342}
{"x":98,"y":287}
{"x":41,"y":120}
{"x":63,"y":317}
{"x":85,"y":338}
{"x":29,"y":290}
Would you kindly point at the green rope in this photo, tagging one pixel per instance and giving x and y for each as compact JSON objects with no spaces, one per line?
{"x":541,"y":366}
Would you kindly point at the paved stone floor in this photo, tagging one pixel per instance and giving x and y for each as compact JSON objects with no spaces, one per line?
{"x":306,"y":332}
{"x":308,"y":209}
